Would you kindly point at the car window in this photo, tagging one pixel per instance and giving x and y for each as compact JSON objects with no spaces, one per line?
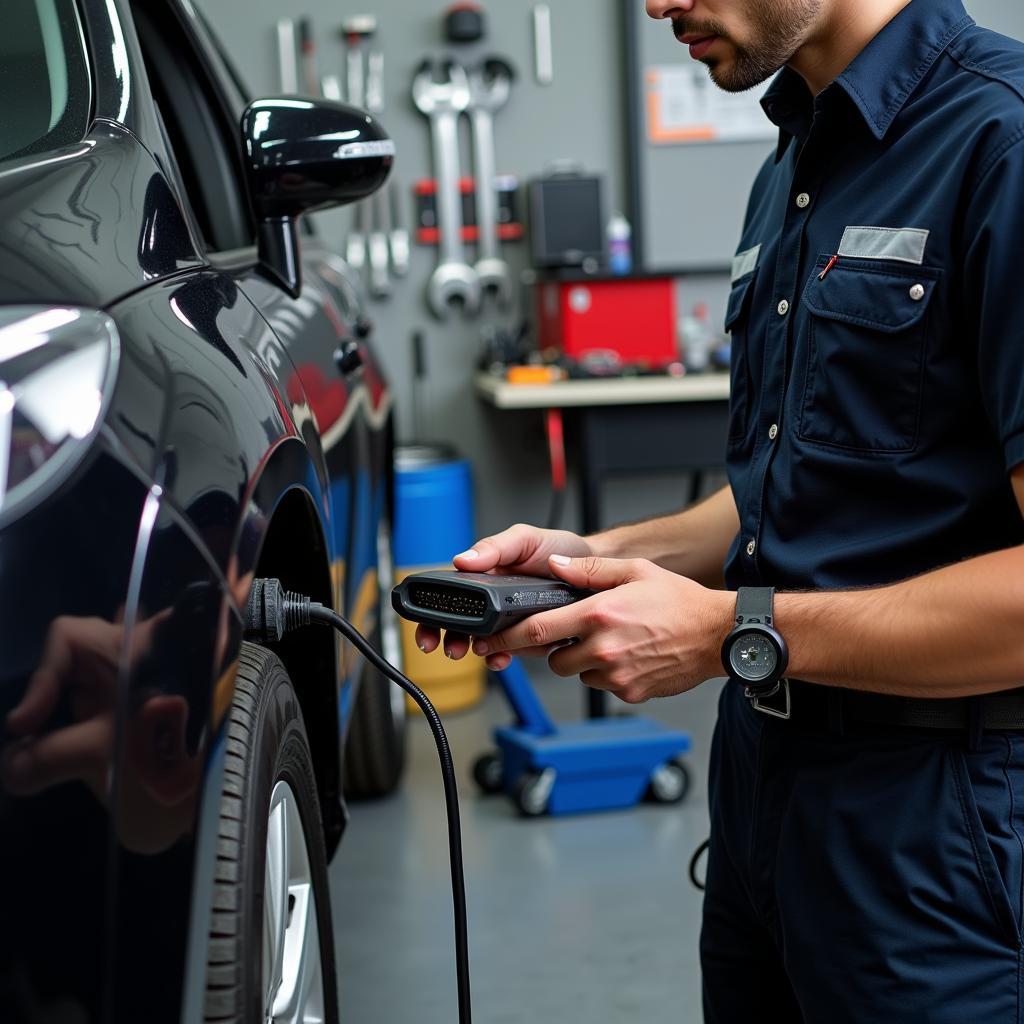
{"x":200,"y":122}
{"x":45,"y":91}
{"x":237,"y":91}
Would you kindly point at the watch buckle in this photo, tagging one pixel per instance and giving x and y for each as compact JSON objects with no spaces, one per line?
{"x":785,"y":713}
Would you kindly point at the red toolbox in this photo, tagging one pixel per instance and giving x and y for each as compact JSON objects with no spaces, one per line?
{"x":632,"y":316}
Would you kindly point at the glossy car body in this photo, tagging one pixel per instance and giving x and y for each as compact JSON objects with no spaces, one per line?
{"x":229,"y":445}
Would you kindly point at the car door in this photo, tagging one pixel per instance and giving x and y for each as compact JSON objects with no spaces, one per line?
{"x":109,"y":603}
{"x":202,"y":106}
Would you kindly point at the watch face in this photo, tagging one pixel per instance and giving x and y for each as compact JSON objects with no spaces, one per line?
{"x":753,"y":657}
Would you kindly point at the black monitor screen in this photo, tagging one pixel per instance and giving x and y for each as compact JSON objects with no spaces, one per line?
{"x":569,"y":225}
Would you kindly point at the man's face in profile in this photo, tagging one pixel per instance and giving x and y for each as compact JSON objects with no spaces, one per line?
{"x":743,"y":42}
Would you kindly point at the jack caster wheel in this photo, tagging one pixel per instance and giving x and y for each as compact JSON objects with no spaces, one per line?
{"x":533,"y":792}
{"x":488,"y":773}
{"x":669,"y":783}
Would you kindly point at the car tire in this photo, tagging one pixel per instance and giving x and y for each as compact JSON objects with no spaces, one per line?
{"x":375,"y":746}
{"x":271,"y":945}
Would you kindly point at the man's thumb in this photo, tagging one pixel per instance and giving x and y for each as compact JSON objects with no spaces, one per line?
{"x":593,"y":573}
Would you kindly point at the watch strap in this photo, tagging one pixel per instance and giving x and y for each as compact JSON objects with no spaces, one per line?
{"x":754,"y":603}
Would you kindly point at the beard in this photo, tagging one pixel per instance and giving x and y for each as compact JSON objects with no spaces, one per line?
{"x":777,"y":27}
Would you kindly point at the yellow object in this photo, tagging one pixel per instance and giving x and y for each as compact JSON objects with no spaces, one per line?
{"x":534,"y":374}
{"x":450,"y":685}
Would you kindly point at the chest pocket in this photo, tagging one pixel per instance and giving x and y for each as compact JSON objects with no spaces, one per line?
{"x":865,"y":355}
{"x":737,"y":324}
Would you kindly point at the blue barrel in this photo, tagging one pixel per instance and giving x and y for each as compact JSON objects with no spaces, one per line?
{"x":433,"y":506}
{"x":434,"y":522}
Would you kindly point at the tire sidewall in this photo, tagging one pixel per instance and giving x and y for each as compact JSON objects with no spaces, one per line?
{"x":281,"y":752}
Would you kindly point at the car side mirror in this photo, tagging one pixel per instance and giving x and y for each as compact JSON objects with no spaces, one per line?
{"x":302,"y":156}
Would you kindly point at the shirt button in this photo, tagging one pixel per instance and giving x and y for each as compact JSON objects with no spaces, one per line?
{"x":773,"y":431}
{"x":751,"y":548}
{"x":917,"y":292}
{"x":803,"y":200}
{"x":783,"y":307}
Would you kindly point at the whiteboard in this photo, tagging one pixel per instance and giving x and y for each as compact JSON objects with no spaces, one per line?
{"x":694,"y":152}
{"x":689,"y":192}
{"x":682,"y":106}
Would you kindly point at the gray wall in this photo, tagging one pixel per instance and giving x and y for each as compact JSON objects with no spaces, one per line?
{"x":579,"y":117}
{"x":1006,"y":16}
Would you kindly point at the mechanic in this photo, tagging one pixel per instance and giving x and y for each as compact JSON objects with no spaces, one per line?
{"x":866,"y":853}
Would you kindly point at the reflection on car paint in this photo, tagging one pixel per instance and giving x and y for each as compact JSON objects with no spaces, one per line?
{"x":64,"y":223}
{"x":183,"y":658}
{"x":71,"y":574}
{"x":164,"y":242}
{"x":120,"y":618}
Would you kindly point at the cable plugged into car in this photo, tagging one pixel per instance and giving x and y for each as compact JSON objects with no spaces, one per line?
{"x":270,"y":613}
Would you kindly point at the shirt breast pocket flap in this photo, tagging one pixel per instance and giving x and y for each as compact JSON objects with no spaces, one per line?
{"x":737,"y":323}
{"x":737,"y":306}
{"x":865,"y":355}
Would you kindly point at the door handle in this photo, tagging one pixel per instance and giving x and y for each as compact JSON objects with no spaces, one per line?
{"x":348,"y":357}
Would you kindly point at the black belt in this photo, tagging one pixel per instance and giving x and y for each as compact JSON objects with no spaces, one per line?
{"x":834,"y":708}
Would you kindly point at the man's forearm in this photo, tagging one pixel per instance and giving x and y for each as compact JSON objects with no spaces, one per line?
{"x":693,"y":543}
{"x":954,"y":632}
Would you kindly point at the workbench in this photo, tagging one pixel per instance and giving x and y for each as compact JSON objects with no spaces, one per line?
{"x":629,"y":425}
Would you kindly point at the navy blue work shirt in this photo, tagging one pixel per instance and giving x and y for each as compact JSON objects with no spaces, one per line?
{"x":877,"y":407}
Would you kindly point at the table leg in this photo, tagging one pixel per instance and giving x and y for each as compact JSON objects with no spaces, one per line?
{"x":595,"y":701}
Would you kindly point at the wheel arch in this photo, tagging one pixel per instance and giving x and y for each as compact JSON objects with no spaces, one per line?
{"x":293,"y":547}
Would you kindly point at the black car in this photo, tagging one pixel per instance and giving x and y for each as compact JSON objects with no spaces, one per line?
{"x":188,"y":402}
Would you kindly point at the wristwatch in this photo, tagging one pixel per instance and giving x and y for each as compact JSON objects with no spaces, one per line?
{"x":754,"y":653}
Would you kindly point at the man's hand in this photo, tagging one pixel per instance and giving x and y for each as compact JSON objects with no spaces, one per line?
{"x":519,"y":550}
{"x":649,"y":633}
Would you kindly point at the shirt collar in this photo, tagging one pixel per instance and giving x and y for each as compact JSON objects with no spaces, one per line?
{"x":788,"y":104}
{"x":882,"y":77}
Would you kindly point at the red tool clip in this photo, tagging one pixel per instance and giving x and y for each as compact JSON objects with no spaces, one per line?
{"x":828,"y":266}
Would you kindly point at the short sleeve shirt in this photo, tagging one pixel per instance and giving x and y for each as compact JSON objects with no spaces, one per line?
{"x":877,"y":314}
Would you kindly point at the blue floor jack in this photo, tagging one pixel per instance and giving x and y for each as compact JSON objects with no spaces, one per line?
{"x":594,"y":765}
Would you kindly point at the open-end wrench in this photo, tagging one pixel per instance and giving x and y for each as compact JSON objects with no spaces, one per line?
{"x":454,"y":280}
{"x":489,"y":88}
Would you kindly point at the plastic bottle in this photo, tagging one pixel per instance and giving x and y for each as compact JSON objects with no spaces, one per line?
{"x":698,"y":339}
{"x":620,"y":249}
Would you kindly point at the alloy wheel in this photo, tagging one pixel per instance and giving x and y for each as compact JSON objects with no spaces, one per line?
{"x":292,"y":972}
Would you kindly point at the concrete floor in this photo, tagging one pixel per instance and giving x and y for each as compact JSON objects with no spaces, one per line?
{"x":587,"y":919}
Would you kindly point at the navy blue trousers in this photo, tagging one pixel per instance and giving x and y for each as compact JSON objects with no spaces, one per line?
{"x":874,"y":876}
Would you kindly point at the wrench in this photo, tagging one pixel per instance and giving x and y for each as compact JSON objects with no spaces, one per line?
{"x":489,"y":87}
{"x":453,"y":280}
{"x":377,"y":243}
{"x":399,"y":232}
{"x":288,"y":64}
{"x":355,"y":31}
{"x":389,"y":240}
{"x":355,"y":246}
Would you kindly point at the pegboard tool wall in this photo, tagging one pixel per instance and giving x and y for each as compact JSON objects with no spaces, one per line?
{"x":580,"y":116}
